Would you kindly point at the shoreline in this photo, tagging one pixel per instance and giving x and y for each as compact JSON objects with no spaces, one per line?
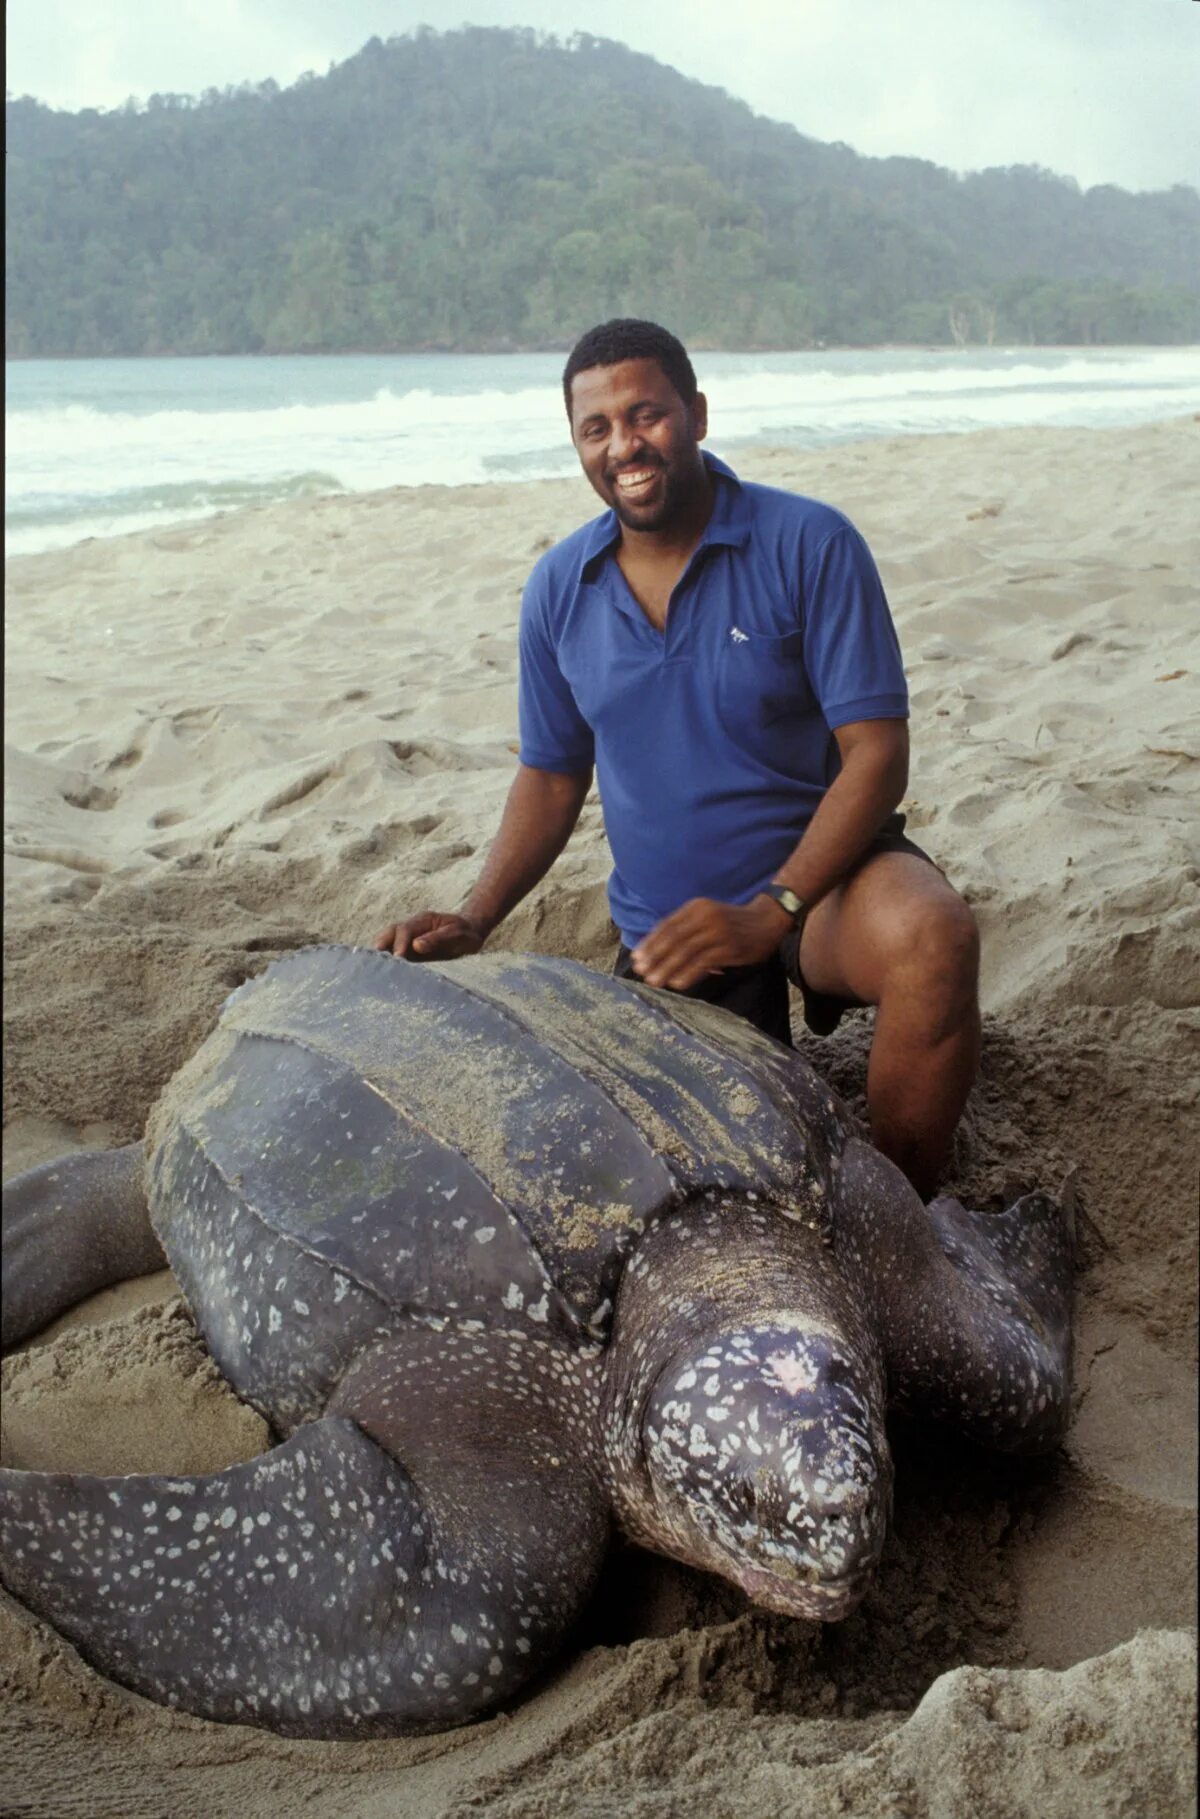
{"x":756,"y":452}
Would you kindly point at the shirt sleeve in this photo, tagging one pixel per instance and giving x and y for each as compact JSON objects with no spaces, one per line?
{"x":851,"y":650}
{"x":554,"y":734}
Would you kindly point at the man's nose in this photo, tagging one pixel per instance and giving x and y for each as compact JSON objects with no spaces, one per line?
{"x":624,"y":443}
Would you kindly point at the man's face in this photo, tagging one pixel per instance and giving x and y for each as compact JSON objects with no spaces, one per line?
{"x":638,"y":441}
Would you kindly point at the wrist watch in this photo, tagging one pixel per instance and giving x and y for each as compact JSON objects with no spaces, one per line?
{"x":795,"y":906}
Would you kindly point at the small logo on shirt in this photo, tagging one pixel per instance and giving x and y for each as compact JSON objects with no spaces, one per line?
{"x":738,"y":635}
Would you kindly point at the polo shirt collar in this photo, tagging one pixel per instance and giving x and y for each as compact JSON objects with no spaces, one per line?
{"x":729,"y":524}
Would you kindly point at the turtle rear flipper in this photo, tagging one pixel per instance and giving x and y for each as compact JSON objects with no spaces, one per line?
{"x":1029,"y":1248}
{"x":306,"y":1590}
{"x":975,"y":1309}
{"x":70,"y":1228}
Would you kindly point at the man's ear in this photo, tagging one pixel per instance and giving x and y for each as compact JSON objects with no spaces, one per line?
{"x":700,"y":416}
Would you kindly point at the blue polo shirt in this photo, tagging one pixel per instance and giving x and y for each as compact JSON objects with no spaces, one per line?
{"x":712,"y":740}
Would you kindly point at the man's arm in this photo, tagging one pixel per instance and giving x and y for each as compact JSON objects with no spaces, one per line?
{"x":867,"y":789}
{"x":704,"y":936}
{"x":539,"y":816}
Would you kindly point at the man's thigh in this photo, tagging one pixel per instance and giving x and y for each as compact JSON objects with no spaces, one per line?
{"x":894,"y":908}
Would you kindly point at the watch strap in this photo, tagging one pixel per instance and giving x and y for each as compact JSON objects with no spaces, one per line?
{"x":795,"y":906}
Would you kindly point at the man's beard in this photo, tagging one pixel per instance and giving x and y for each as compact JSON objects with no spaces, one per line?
{"x":656,"y":519}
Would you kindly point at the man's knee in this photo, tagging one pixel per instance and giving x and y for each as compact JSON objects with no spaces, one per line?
{"x":932,"y":946}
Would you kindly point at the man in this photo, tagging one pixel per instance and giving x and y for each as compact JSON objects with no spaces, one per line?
{"x":723,"y":654}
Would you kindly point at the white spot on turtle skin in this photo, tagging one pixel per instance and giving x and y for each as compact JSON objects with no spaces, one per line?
{"x":459,"y":1634}
{"x":512,"y":1297}
{"x":794,"y":1371}
{"x":537,"y":1310}
{"x":340,"y":1288}
{"x":301,"y":1307}
{"x":228,"y":1516}
{"x":485,"y":1234}
{"x":274,"y":1320}
{"x":495,"y":1666}
{"x":699,"y":1444}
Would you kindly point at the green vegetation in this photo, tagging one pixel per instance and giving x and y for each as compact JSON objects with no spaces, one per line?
{"x":493,"y":189}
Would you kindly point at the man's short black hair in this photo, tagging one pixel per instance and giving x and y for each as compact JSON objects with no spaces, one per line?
{"x":627,"y":338}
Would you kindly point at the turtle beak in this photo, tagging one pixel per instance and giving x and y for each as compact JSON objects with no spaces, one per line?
{"x":814,"y":1600}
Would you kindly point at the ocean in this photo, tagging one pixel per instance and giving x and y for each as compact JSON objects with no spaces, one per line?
{"x":96,"y":448}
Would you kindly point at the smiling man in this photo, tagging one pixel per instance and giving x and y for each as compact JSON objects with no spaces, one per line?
{"x":722,"y":655}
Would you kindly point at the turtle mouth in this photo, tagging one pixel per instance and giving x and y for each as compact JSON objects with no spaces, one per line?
{"x":823,"y":1600}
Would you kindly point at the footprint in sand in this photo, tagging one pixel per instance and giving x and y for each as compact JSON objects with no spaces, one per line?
{"x":133,"y":754}
{"x":194,"y":719}
{"x":298,"y":789}
{"x":58,"y":855}
{"x":93,"y":796}
{"x":80,"y":889}
{"x":387,"y":840}
{"x":424,"y":757}
{"x":440,"y":858}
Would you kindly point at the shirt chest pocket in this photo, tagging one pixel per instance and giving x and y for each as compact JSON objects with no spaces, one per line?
{"x":763,"y":687}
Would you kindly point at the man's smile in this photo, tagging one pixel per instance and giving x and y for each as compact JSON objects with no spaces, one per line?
{"x":636,"y":483}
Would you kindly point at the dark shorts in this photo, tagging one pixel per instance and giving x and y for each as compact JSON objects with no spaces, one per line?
{"x":760,"y":993}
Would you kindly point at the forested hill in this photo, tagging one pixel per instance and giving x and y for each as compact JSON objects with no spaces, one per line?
{"x":495,"y":189}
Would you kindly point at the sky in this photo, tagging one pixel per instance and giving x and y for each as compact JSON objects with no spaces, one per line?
{"x":1100,"y":90}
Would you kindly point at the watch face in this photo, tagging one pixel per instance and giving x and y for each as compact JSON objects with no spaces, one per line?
{"x":788,"y":900}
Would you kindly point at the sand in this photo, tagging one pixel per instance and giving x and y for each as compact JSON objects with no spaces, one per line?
{"x":297,"y":723}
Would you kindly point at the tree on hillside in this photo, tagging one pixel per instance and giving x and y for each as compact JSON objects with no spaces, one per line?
{"x":502,"y":189}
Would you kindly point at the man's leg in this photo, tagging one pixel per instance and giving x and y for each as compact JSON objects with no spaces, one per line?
{"x":898,"y":936}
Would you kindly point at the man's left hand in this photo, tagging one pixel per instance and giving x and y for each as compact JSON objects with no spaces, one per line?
{"x":705,"y":937}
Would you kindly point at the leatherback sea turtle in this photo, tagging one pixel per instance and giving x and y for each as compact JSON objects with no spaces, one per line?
{"x":507,"y":1252}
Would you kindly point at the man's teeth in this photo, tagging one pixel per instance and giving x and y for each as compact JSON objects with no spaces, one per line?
{"x":632,"y":483}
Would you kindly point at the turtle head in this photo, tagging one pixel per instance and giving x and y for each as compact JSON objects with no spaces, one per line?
{"x":768,"y":1463}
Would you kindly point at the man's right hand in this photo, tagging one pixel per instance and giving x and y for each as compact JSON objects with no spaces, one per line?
{"x":431,"y":936}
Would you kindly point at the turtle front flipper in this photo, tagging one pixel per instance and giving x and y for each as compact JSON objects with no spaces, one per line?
{"x":70,"y":1228}
{"x":309,"y":1590}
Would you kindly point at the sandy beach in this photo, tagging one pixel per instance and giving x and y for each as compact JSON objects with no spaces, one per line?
{"x":294,"y":724}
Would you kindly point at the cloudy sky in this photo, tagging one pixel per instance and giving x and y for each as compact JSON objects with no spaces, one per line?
{"x":1102,"y":90}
